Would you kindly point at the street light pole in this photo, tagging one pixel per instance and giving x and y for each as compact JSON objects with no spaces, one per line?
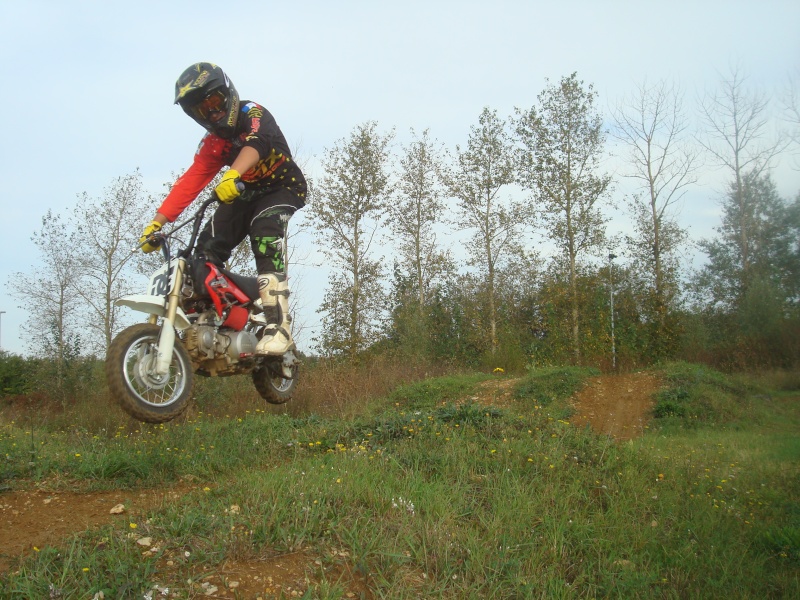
{"x":2,"y":312}
{"x":611,"y":258}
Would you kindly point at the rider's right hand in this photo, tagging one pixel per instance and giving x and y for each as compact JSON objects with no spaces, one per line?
{"x":152,"y":228}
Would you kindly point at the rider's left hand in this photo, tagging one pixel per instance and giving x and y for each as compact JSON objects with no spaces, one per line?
{"x":228,"y":189}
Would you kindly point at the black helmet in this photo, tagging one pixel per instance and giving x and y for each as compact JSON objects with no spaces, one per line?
{"x":203,"y":89}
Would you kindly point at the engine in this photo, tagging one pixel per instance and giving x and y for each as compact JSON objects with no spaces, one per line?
{"x":219,"y":350}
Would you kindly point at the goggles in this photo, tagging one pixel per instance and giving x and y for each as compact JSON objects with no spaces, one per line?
{"x":214,"y":102}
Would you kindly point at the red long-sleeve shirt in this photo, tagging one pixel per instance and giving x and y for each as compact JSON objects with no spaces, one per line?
{"x":257,"y":129}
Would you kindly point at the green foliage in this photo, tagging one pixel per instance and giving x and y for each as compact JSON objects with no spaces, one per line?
{"x":697,"y":395}
{"x":550,"y":339}
{"x":671,"y":403}
{"x":16,"y":374}
{"x":456,"y":329}
{"x":746,"y":294}
{"x":56,"y":381}
{"x":756,"y":242}
{"x":468,"y":413}
{"x":433,"y":392}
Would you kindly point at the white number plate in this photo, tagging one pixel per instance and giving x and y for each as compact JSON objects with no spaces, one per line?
{"x":162,"y":280}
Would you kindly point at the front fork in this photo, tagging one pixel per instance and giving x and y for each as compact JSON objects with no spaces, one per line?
{"x":166,"y":340}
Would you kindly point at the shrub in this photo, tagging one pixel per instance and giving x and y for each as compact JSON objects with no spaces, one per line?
{"x":702,"y":394}
{"x":16,"y":374}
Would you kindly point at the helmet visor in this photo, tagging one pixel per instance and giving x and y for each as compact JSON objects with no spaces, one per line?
{"x":214,"y":102}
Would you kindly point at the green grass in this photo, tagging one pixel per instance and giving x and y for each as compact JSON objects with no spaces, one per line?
{"x":697,"y":396}
{"x":555,"y":383}
{"x":425,"y":495}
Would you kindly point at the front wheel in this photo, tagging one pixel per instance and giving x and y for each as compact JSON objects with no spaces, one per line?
{"x":133,"y":382}
{"x":271,"y":385}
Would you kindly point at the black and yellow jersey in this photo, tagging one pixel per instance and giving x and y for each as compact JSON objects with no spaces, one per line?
{"x":255,"y":128}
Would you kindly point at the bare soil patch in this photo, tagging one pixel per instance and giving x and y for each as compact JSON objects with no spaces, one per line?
{"x":31,"y":520}
{"x":620,"y":406}
{"x":496,"y":392}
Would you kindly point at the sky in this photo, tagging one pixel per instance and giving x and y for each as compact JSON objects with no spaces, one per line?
{"x":89,"y":85}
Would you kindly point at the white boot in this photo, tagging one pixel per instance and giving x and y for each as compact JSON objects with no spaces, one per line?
{"x":274,"y":292}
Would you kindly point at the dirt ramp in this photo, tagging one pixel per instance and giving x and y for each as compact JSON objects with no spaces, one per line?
{"x":617,"y":405}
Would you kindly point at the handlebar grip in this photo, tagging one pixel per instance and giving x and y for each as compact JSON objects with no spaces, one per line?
{"x":154,"y":239}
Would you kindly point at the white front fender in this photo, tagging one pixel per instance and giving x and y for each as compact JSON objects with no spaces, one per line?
{"x":153,"y":305}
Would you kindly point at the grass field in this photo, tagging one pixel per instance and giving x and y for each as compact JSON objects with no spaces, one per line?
{"x":426,"y":494}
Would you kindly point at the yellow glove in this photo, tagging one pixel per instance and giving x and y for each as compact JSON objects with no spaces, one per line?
{"x":228,"y":189}
{"x":154,"y":227}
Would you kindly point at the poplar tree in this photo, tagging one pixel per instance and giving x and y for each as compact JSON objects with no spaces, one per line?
{"x":108,"y":230}
{"x":651,"y":124}
{"x":417,"y":210}
{"x":735,"y":136}
{"x":350,"y":204}
{"x":415,"y":213}
{"x":480,"y":172}
{"x":48,"y":292}
{"x":561,"y":142}
{"x":48,"y":295}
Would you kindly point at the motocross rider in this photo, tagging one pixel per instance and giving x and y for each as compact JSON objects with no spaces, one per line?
{"x":258,"y":193}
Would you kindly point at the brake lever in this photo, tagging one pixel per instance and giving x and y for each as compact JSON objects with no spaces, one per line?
{"x":154,"y":239}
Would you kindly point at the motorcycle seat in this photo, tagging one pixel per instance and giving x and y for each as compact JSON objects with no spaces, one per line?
{"x":249,"y":285}
{"x":199,"y":270}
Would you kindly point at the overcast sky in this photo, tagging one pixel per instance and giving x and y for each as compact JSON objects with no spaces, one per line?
{"x":89,"y":85}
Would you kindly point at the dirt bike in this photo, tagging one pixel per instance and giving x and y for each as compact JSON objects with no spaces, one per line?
{"x":203,"y":319}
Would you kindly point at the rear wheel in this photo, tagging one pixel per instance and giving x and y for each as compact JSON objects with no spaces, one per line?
{"x":133,"y":382}
{"x":271,"y":385}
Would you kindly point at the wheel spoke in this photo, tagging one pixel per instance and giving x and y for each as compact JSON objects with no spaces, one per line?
{"x":140,"y":374}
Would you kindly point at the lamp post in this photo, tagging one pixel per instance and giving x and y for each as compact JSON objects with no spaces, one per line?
{"x":2,"y":312}
{"x":611,"y":258}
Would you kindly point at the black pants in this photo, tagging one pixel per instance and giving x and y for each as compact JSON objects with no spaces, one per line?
{"x":263,"y":216}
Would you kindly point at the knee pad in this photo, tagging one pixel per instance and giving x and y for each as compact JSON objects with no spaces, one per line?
{"x":269,"y":251}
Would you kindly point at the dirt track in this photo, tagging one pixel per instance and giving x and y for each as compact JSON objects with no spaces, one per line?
{"x":616,"y":405}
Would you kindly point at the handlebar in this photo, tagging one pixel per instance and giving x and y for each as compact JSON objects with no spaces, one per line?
{"x":198,"y":219}
{"x":160,"y":239}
